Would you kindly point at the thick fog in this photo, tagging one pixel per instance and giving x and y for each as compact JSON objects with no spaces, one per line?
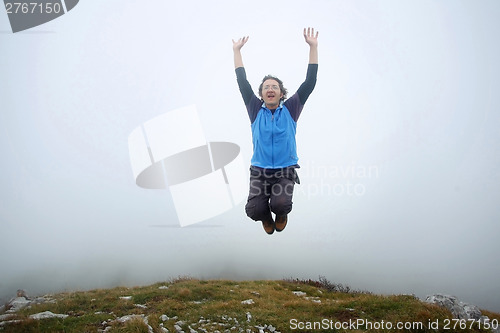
{"x":398,"y":145}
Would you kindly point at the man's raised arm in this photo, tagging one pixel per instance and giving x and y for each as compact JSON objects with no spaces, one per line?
{"x":312,"y":40}
{"x":308,"y":85}
{"x":237,"y":45}
{"x":241,"y":76}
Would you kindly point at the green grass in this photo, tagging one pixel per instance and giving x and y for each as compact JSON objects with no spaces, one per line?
{"x":219,"y":302}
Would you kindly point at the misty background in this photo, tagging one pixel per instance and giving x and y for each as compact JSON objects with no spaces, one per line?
{"x":398,"y":143}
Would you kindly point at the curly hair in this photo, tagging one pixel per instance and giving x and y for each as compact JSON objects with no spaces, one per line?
{"x":283,"y":90}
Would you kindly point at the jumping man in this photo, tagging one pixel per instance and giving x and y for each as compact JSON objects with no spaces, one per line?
{"x":274,"y":121}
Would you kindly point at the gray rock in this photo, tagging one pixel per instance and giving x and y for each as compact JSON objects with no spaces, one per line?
{"x":17,"y":304}
{"x":8,"y":322}
{"x":7,"y":316}
{"x":126,"y":318}
{"x":47,"y":315}
{"x":21,"y":302}
{"x":146,"y":321}
{"x":459,"y":310}
{"x":299,"y":293}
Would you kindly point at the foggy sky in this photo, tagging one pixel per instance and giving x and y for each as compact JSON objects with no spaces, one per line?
{"x":398,"y":143}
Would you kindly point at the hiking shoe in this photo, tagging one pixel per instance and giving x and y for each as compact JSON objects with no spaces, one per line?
{"x":268,"y":226}
{"x":281,"y":222}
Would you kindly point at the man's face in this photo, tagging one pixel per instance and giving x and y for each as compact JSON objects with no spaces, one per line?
{"x":271,"y":93}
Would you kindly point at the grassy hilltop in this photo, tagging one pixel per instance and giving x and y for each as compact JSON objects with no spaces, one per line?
{"x":191,"y":305}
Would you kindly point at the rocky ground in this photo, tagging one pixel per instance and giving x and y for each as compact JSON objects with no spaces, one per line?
{"x":224,"y":324}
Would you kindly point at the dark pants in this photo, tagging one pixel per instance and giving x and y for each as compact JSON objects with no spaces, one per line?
{"x":270,"y":191}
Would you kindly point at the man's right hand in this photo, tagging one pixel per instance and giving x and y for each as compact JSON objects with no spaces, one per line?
{"x":237,"y":45}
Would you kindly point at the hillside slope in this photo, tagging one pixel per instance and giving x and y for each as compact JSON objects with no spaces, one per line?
{"x":190,"y":305}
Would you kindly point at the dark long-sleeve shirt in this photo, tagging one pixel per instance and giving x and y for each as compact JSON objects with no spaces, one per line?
{"x":294,"y":104}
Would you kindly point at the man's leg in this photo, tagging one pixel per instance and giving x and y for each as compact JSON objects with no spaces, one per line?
{"x":257,"y":207}
{"x":281,"y":201}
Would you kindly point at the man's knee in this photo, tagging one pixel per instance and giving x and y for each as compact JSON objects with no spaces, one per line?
{"x":250,"y":210}
{"x":281,"y":207}
{"x":257,"y":212}
{"x":281,"y":201}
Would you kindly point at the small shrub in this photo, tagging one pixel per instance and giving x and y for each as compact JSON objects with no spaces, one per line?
{"x":324,"y":283}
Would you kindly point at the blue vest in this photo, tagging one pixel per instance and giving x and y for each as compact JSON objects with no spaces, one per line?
{"x":273,"y":137}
